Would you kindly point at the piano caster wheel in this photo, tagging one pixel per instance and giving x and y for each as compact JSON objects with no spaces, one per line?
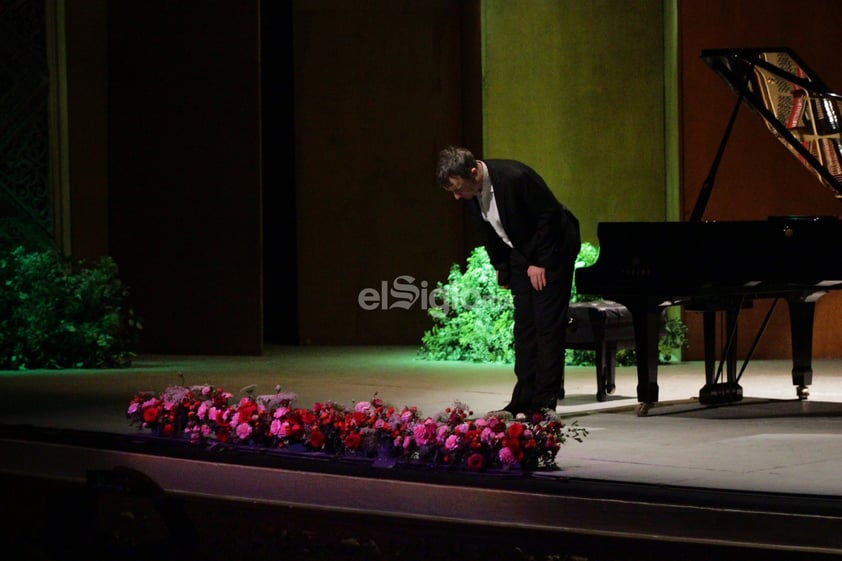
{"x":643,"y":409}
{"x":600,"y":396}
{"x":803,"y":392}
{"x":610,"y":388}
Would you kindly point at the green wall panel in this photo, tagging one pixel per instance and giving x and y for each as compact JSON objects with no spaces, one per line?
{"x":576,"y":90}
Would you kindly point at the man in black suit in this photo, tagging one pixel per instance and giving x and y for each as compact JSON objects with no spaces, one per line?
{"x":533,"y":241}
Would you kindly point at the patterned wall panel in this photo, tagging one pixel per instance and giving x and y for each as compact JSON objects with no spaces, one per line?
{"x":26,"y":213}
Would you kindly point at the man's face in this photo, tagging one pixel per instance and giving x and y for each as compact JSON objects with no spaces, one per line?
{"x":465,"y":187}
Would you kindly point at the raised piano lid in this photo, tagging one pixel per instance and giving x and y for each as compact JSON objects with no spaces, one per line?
{"x":796,"y":105}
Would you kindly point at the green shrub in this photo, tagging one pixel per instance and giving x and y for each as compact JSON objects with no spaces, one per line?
{"x":674,"y":338}
{"x":474,"y":318}
{"x":59,"y":312}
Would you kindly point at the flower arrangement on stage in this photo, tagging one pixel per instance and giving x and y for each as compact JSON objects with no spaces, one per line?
{"x":370,"y":429}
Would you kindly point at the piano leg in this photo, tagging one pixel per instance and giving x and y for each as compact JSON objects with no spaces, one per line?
{"x":709,"y":323}
{"x":731,"y":317}
{"x":647,"y":323}
{"x":606,"y":365}
{"x":801,"y":312}
{"x":714,"y":391}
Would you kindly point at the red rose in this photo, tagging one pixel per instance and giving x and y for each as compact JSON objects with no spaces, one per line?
{"x":515,"y":430}
{"x":353,"y":441}
{"x":246,"y":410}
{"x":220,"y":419}
{"x":475,"y":462}
{"x":317,"y":439}
{"x":150,"y":414}
{"x":295,"y":430}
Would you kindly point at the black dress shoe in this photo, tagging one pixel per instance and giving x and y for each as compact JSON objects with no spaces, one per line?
{"x":540,"y":406}
{"x":515,"y":408}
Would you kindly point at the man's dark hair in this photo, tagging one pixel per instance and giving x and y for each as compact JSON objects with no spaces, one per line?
{"x":454,"y":161}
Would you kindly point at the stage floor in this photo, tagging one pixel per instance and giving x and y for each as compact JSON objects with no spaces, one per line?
{"x":769,"y":445}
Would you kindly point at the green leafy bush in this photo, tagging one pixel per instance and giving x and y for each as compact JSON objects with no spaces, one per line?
{"x":473,"y":318}
{"x":59,"y":312}
{"x":674,"y":338}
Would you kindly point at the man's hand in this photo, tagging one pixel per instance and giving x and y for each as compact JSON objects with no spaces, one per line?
{"x":538,"y":277}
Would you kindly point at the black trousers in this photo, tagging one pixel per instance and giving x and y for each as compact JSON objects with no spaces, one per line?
{"x":540,"y":323}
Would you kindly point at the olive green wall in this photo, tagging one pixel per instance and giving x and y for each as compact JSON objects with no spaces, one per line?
{"x":576,"y":90}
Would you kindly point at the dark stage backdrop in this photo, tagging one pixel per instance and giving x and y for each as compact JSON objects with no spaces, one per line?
{"x":179,"y":169}
{"x":184,"y":170}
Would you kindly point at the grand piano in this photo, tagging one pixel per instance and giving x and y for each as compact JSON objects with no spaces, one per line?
{"x":720,"y":268}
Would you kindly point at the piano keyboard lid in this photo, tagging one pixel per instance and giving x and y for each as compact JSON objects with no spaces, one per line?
{"x":797,"y":107}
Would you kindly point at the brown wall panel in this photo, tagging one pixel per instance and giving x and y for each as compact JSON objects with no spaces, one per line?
{"x":378,"y":90}
{"x":757,"y":177}
{"x":184,"y":171}
{"x":86,"y":36}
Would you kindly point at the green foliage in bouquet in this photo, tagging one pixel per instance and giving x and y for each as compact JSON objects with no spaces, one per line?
{"x":60,"y":312}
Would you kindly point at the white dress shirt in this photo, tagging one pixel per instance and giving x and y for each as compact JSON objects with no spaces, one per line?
{"x":488,"y":206}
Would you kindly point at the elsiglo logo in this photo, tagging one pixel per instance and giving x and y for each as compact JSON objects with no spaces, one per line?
{"x":402,"y":294}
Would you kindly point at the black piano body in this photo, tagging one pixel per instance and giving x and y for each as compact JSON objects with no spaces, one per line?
{"x":722,"y":267}
{"x":715,"y":267}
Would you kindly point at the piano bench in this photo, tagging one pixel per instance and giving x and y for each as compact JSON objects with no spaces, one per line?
{"x":602,"y":326}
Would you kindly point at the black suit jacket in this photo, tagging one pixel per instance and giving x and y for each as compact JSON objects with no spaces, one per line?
{"x":535,"y":221}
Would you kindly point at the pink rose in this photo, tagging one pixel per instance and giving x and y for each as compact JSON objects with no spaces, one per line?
{"x":243,"y":431}
{"x":506,"y":457}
